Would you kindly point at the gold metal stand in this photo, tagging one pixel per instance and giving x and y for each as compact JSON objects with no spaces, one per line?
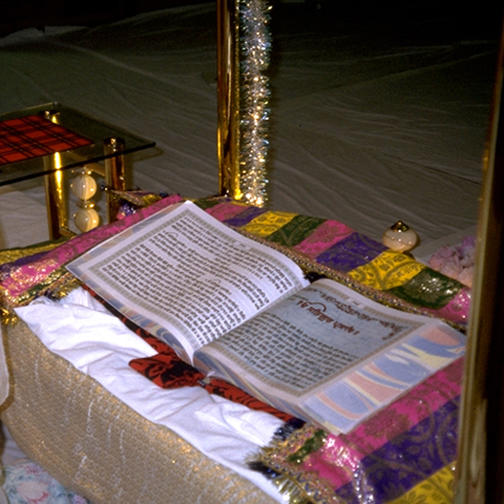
{"x":55,"y":191}
{"x":480,"y":466}
{"x":115,"y":173}
{"x":55,"y":201}
{"x":228,"y":98}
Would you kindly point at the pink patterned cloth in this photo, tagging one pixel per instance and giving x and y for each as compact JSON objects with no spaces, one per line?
{"x":225,"y":210}
{"x":456,"y":261}
{"x":458,"y":308}
{"x":326,"y":235}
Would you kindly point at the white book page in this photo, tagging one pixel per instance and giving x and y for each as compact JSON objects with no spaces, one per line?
{"x":314,"y":335}
{"x":186,"y":277}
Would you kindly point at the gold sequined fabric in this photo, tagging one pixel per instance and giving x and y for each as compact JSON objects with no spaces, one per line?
{"x":9,"y":255}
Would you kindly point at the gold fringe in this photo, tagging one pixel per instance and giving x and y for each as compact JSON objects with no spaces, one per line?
{"x":298,"y":485}
{"x":292,"y":489}
{"x":7,"y":316}
{"x":58,"y":285}
{"x":12,"y":254}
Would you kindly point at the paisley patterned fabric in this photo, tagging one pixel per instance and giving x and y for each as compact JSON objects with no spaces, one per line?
{"x":333,"y":244}
{"x":268,"y":223}
{"x":388,"y":270}
{"x":428,"y":288}
{"x":327,"y":242}
{"x":437,"y":488}
{"x":405,"y":453}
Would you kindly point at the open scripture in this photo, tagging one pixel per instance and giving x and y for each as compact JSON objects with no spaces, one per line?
{"x":243,"y":311}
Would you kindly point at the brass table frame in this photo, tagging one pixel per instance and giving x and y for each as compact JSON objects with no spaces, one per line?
{"x":104,"y":156}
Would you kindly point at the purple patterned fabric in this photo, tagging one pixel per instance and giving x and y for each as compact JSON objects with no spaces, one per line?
{"x":351,"y":252}
{"x":245,"y":217}
{"x":408,"y":459}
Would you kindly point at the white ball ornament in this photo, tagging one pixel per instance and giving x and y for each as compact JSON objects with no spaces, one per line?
{"x":400,"y":237}
{"x":84,"y":186}
{"x":86,"y":219}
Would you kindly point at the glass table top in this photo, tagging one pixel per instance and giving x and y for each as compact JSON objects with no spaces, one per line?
{"x":28,"y":146}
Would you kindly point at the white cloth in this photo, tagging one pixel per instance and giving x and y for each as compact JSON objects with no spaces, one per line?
{"x":81,"y":331}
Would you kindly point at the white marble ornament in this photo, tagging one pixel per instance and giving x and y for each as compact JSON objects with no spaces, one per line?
{"x":84,"y":186}
{"x":400,"y":237}
{"x":86,"y":219}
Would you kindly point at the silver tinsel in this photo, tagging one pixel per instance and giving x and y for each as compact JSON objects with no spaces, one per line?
{"x":255,"y":49}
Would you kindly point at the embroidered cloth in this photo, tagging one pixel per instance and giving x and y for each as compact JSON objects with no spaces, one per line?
{"x":403,"y":454}
{"x":333,"y":245}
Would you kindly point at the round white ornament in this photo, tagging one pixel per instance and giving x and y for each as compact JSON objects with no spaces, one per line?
{"x":84,"y":186}
{"x":400,"y":237}
{"x":86,"y":219}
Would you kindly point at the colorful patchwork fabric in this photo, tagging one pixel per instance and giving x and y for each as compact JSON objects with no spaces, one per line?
{"x":405,"y":451}
{"x":327,"y":243}
{"x":33,"y":136}
{"x":334,"y":245}
{"x":22,"y":255}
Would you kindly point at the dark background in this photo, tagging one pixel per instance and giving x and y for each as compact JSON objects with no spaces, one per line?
{"x":20,"y":14}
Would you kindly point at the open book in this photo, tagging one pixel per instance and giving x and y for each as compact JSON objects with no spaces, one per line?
{"x":243,"y":311}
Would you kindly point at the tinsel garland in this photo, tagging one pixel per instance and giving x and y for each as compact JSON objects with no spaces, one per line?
{"x":255,"y":49}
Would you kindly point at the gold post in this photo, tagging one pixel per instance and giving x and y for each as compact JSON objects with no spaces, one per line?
{"x":480,"y":465}
{"x":55,"y":189}
{"x":228,"y":98}
{"x":115,"y":173}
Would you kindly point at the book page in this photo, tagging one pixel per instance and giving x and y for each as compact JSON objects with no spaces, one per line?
{"x":186,"y":277}
{"x":306,"y":347}
{"x":315,"y":334}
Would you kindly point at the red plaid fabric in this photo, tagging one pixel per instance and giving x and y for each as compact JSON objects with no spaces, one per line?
{"x":33,"y":136}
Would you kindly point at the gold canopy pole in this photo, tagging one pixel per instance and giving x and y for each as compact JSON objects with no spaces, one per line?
{"x":480,"y":466}
{"x":228,"y":98}
{"x":55,"y":189}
